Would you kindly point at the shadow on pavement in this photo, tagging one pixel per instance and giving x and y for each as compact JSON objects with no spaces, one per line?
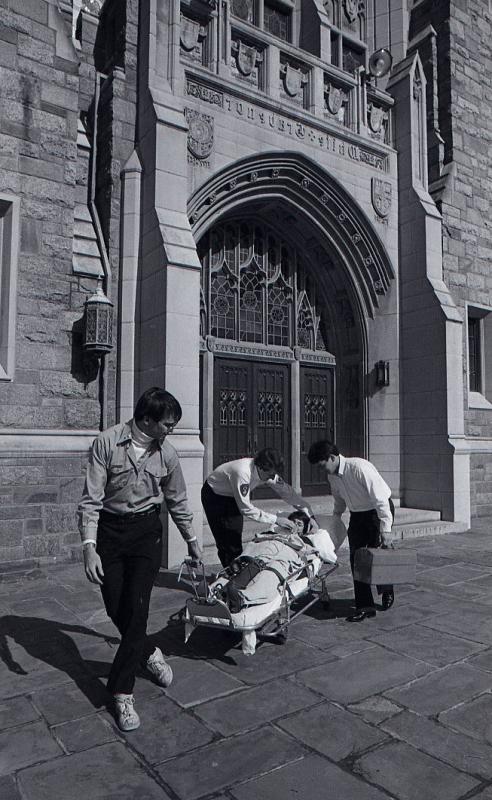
{"x":48,"y":641}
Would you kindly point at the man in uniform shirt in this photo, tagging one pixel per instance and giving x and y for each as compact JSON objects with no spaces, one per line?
{"x":226,"y":500}
{"x":357,"y":485}
{"x":132,"y":470}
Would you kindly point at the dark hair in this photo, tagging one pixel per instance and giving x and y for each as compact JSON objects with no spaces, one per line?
{"x":302,"y":516}
{"x":269,"y":459}
{"x":156,"y":403}
{"x":321,"y":451}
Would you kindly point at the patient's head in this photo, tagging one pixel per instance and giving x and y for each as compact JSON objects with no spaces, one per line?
{"x":301,"y":520}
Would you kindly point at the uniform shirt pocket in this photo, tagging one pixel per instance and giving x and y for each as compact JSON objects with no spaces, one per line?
{"x":152,"y":476}
{"x":119,"y":473}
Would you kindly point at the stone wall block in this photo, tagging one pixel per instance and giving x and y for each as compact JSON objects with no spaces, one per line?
{"x":22,"y":476}
{"x":60,"y":518}
{"x":35,"y":50}
{"x":41,"y":546}
{"x":36,"y":10}
{"x":71,"y":490}
{"x":11,"y":532}
{"x":62,"y":467}
{"x":19,"y":512}
{"x":35,"y":494}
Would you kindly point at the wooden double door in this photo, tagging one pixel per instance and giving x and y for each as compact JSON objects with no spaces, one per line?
{"x":252,"y":410}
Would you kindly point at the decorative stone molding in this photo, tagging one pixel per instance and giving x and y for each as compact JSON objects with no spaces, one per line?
{"x":381,"y":196}
{"x":200,"y":133}
{"x":324,"y":200}
{"x":294,"y":79}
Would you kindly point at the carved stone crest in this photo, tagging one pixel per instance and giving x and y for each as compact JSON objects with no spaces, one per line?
{"x":200,"y":133}
{"x":189,"y":33}
{"x":377,"y":116}
{"x":246,"y":57}
{"x":381,"y":196}
{"x":293,"y":80}
{"x":334,"y":98}
{"x":351,"y":7}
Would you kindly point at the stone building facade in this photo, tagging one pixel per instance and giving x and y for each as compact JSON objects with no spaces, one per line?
{"x":294,"y":247}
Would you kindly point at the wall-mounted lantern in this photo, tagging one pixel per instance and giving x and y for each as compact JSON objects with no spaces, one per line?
{"x":382,"y":373}
{"x":98,"y":330}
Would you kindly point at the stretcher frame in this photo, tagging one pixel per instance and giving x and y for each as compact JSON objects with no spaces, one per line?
{"x":210,"y":611}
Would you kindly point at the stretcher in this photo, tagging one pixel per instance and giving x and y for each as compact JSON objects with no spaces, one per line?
{"x":297,"y":593}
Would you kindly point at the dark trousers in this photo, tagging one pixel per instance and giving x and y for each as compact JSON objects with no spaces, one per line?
{"x":130,"y":553}
{"x":364,"y":531}
{"x":226,"y":524}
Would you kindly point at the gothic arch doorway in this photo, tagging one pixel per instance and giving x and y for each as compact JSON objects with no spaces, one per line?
{"x":267,"y":337}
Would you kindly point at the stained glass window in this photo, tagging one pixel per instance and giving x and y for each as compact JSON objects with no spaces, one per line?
{"x":277,"y":22}
{"x":256,"y":289}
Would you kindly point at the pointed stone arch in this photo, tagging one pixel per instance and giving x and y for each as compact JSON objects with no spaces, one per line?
{"x":299,"y":182}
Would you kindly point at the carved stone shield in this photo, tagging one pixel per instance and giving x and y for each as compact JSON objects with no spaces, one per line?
{"x":189,"y":33}
{"x":350,"y":8}
{"x":200,"y":133}
{"x":334,"y":97}
{"x":293,"y":80}
{"x":376,"y":117}
{"x":245,"y":59}
{"x":381,"y":196}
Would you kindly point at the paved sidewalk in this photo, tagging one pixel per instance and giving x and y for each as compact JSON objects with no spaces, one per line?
{"x":396,"y":707}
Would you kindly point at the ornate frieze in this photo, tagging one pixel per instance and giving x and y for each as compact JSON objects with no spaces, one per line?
{"x":205,"y":93}
{"x":246,"y":61}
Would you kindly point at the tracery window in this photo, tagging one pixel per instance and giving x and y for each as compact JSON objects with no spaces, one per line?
{"x":255,"y":288}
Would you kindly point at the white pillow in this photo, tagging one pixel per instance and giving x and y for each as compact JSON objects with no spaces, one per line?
{"x":323,"y":543}
{"x":336,"y":529}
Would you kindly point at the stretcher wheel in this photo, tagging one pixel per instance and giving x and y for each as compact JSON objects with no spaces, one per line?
{"x":282,"y":636}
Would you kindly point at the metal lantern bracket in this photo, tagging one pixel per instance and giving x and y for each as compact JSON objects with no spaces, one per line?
{"x":382,"y":373}
{"x":98,"y":329}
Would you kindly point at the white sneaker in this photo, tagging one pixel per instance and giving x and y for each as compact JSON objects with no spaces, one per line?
{"x":160,"y":669}
{"x":126,"y":716}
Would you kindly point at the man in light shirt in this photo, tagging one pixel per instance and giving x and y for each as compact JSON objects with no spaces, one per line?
{"x":132,"y":470}
{"x":227,"y":502}
{"x":357,"y":485}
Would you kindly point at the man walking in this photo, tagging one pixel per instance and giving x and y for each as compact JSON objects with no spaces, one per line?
{"x":132,"y":470}
{"x":357,"y":485}
{"x":226,"y":500}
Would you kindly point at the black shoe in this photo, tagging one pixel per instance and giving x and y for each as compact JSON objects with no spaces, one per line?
{"x":361,"y":615}
{"x":387,"y":600}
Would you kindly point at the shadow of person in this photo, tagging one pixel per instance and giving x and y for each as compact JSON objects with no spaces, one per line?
{"x":337,"y":607}
{"x":49,"y":641}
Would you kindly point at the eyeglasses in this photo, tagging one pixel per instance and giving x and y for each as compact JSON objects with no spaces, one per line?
{"x":169,"y":426}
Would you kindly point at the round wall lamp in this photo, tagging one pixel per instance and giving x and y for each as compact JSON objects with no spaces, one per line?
{"x":380,"y":63}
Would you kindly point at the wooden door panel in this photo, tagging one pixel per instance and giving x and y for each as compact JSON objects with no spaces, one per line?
{"x":272,"y":424}
{"x":233,"y":398}
{"x":317,"y":422}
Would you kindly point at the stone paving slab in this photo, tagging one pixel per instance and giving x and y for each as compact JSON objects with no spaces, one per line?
{"x":229,"y":762}
{"x":470,"y":624}
{"x":271,"y":661}
{"x":315,"y":727}
{"x":197,"y":681}
{"x":312,"y":778}
{"x":26,"y":745}
{"x":472,"y":757}
{"x":166,"y":730}
{"x":408,"y":774}
{"x":429,"y":645}
{"x":455,"y":573}
{"x":70,"y":701}
{"x":375,"y":709}
{"x":82,"y":734}
{"x":251,"y":708}
{"x":442,"y":689}
{"x":362,"y":674}
{"x":109,"y":771}
{"x":16,"y":711}
{"x":482,"y":661}
{"x":473,"y":718}
{"x":8,"y":788}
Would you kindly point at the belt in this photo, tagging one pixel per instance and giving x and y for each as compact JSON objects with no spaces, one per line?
{"x":131,"y":516}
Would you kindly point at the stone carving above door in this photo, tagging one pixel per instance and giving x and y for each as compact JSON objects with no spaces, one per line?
{"x":200,"y":133}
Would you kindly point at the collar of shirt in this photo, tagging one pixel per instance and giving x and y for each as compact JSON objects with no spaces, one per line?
{"x":341,"y":466}
{"x":139,"y":437}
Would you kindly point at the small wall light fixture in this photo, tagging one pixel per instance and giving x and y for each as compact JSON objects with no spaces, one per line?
{"x":382,"y":373}
{"x":98,"y":329}
{"x":380,"y":63}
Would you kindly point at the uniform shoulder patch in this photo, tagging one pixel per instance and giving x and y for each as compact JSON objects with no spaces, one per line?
{"x":244,"y":489}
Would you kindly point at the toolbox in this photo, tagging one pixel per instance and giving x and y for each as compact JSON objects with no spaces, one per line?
{"x":384,"y":565}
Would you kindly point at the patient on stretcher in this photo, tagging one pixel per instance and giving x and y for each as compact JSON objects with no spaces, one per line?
{"x":270,"y":559}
